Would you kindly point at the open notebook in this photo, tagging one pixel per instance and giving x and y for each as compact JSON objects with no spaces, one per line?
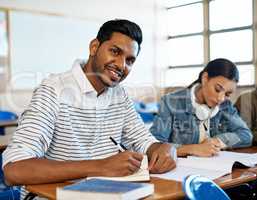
{"x":211,"y":167}
{"x":141,"y":175}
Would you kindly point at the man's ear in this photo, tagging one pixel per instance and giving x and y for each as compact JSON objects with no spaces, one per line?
{"x":205,"y":78}
{"x":94,"y":44}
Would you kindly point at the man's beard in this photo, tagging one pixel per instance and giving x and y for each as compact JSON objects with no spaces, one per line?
{"x":99,"y":73}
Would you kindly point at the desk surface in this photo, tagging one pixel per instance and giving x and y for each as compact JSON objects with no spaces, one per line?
{"x":4,"y":141}
{"x":166,"y":189}
{"x":8,"y":123}
{"x":252,"y":149}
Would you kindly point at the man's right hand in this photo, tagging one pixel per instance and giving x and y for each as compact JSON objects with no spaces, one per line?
{"x":121,"y":164}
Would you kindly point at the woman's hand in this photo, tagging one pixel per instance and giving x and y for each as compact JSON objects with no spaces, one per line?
{"x":208,"y":148}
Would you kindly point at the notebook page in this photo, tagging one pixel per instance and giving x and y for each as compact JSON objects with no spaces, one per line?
{"x":180,"y":172}
{"x":247,"y":159}
{"x":141,"y":175}
{"x":188,"y":166}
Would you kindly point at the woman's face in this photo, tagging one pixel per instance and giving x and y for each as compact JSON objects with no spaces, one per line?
{"x":216,"y":90}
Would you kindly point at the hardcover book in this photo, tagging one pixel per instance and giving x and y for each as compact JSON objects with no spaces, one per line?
{"x":105,"y":189}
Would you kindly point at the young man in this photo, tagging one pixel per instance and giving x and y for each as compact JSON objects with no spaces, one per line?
{"x":65,"y":132}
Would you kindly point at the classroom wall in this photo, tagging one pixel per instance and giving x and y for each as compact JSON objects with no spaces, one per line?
{"x":142,"y":12}
{"x":146,"y":79}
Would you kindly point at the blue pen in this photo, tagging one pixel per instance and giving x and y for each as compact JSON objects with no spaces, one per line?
{"x":121,"y":147}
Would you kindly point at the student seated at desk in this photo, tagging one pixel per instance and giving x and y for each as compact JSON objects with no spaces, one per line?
{"x":246,"y":105}
{"x":65,"y":132}
{"x":200,"y":120}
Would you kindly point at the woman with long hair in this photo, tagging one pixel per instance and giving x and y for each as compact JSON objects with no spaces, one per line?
{"x":200,"y":119}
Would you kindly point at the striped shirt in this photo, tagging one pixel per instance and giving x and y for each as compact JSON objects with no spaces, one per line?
{"x":66,"y":120}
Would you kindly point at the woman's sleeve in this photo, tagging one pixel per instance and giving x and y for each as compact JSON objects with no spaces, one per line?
{"x":162,"y":124}
{"x":237,"y":133}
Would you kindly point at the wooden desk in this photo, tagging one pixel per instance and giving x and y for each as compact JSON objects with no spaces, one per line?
{"x":249,"y":150}
{"x":2,"y":148}
{"x":8,"y":123}
{"x":167,"y":189}
{"x":5,"y":139}
{"x":164,"y":189}
{"x":252,"y":149}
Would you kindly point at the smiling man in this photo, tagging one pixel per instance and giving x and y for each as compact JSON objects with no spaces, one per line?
{"x":65,"y":132}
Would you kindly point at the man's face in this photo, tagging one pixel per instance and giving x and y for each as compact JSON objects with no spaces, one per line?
{"x":113,"y":59}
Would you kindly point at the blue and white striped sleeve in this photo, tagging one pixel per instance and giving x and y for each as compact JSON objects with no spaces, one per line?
{"x":135,"y":135}
{"x":36,"y":125}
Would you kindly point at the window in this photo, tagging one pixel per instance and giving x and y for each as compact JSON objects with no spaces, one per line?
{"x":200,"y":31}
{"x":224,"y":45}
{"x":182,"y":76}
{"x":3,"y":41}
{"x":181,"y":23}
{"x":230,"y":13}
{"x":190,"y":48}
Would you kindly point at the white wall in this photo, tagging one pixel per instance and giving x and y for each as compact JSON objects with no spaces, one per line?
{"x":142,"y":12}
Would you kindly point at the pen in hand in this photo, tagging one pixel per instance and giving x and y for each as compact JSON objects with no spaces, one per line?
{"x":120,"y":146}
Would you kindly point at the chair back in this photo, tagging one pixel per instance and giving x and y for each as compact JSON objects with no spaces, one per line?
{"x":197,"y":187}
{"x":6,"y":115}
{"x":146,"y":111}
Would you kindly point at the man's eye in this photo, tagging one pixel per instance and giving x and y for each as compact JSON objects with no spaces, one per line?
{"x":115,"y":51}
{"x":130,"y":62}
{"x":227,"y":95}
{"x":217,"y":90}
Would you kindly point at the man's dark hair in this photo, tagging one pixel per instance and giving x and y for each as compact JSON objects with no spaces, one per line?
{"x":123,"y":26}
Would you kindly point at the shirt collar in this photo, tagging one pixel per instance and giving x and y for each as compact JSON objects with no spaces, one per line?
{"x":81,"y":78}
{"x":193,"y":96}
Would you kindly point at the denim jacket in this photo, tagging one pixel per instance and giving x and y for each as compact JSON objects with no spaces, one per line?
{"x":177,"y":123}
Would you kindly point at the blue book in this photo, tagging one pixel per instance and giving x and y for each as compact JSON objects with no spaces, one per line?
{"x":105,"y":189}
